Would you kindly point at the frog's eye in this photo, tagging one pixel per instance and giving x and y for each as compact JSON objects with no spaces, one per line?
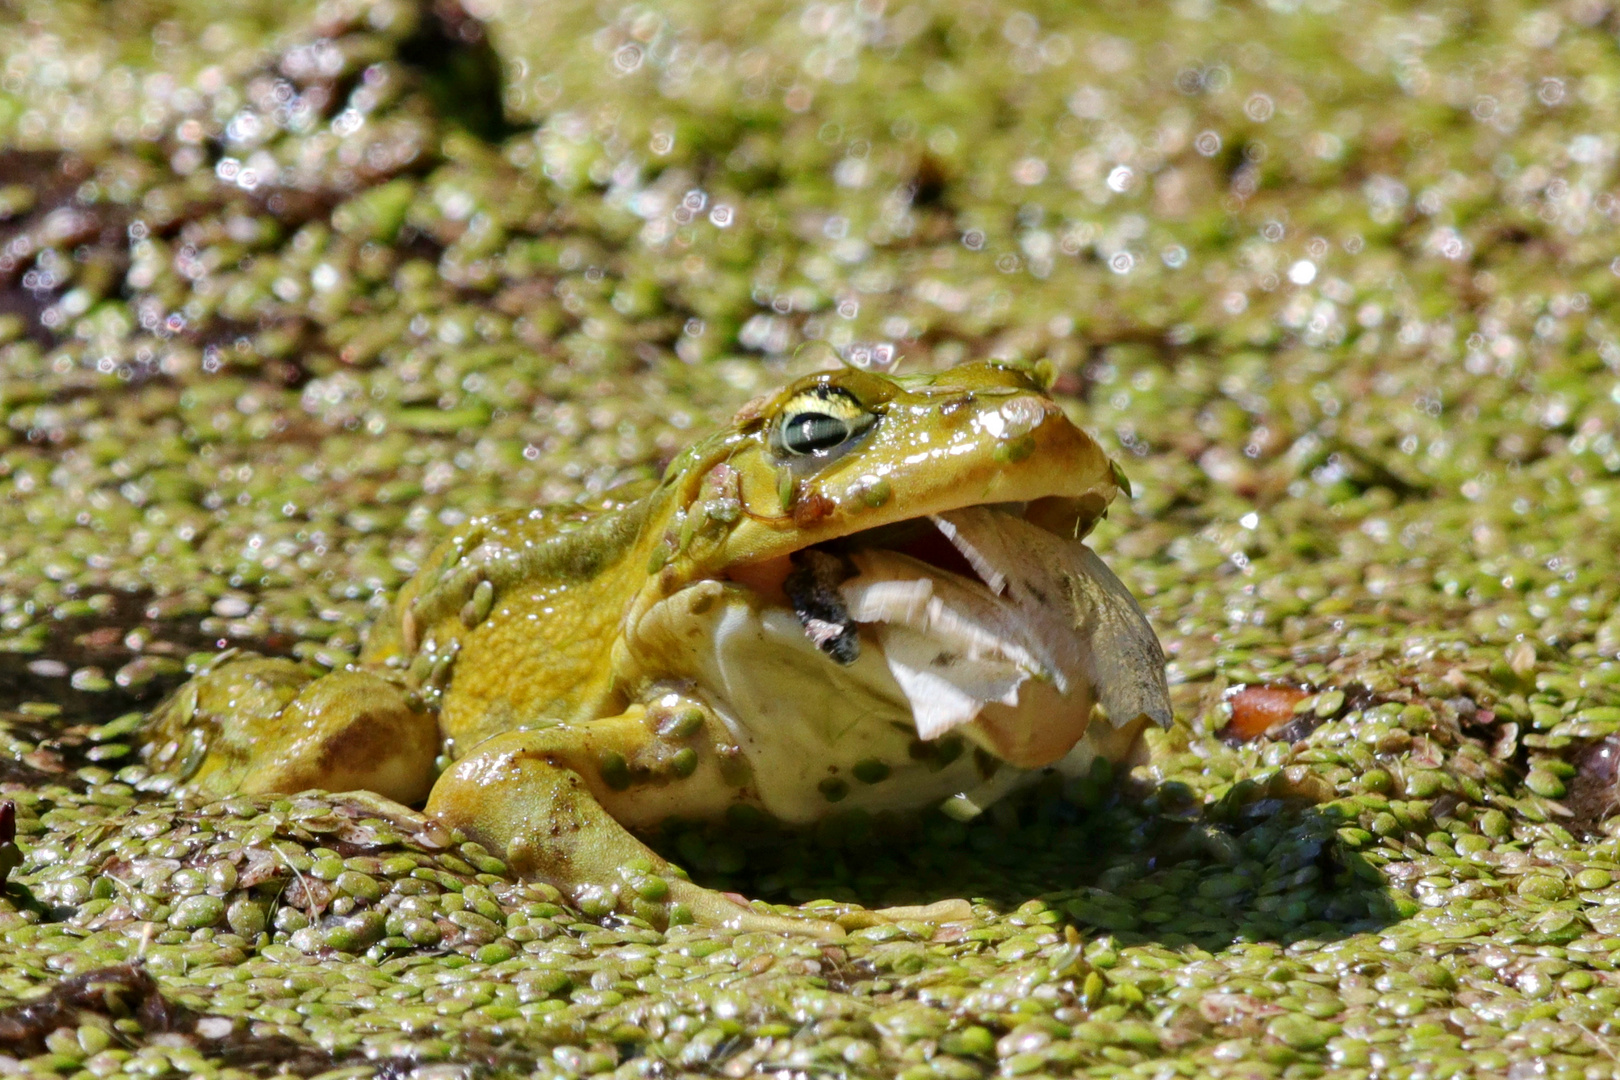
{"x":820,"y":422}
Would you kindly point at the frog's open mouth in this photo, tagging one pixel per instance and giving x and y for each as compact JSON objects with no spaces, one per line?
{"x":980,"y":607}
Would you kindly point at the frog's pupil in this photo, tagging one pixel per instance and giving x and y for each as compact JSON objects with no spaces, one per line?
{"x":810,"y":432}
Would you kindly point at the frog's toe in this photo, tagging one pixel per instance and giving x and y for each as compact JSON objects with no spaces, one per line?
{"x":709,"y":908}
{"x":941,"y":911}
{"x":855,"y":917}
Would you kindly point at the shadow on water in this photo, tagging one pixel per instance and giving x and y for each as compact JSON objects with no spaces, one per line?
{"x":1151,"y":865}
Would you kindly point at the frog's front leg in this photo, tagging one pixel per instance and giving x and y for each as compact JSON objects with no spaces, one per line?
{"x":551,"y":801}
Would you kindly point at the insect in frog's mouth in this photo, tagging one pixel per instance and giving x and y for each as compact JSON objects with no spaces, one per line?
{"x":815,"y":587}
{"x":978,"y":608}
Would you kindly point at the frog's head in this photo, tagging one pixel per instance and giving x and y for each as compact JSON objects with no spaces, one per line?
{"x":839,"y":454}
{"x":933,"y":523}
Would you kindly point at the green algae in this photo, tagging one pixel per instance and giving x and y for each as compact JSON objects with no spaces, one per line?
{"x":290,"y":291}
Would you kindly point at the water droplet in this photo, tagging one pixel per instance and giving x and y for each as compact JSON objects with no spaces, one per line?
{"x":1029,"y":171}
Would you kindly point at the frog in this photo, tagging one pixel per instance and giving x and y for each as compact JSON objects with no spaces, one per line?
{"x":868,"y":592}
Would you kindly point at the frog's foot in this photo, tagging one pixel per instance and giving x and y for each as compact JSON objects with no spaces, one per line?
{"x":940,"y":911}
{"x":728,"y":910}
{"x":536,"y":798}
{"x":259,"y":725}
{"x":855,"y":917}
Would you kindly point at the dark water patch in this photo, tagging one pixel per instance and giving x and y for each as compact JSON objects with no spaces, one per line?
{"x":294,"y":344}
{"x":125,"y":991}
{"x":459,"y":70}
{"x":1594,"y":790}
{"x":127,"y":1002}
{"x":52,"y":238}
{"x":130,"y":652}
{"x":930,"y":184}
{"x":23,"y":772}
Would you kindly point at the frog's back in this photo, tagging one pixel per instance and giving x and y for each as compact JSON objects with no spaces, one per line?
{"x":511,"y":618}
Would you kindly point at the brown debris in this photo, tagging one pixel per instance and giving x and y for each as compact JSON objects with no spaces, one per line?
{"x":1257,"y":709}
{"x":125,"y":990}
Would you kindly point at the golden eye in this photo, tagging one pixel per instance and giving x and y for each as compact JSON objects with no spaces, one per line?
{"x":819,"y":421}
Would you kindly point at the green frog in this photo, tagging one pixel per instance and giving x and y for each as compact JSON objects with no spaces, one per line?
{"x":866,"y":592}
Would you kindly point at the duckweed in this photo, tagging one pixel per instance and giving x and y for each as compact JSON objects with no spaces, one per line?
{"x":291,"y":293}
